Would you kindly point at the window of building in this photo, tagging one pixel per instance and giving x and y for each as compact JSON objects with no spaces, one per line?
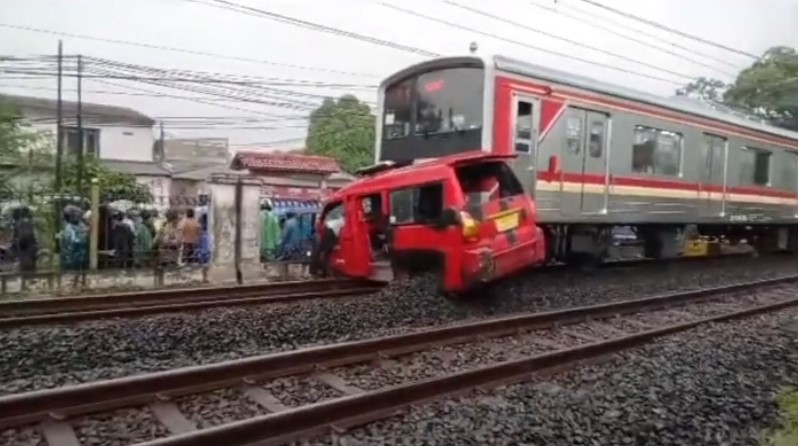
{"x":755,"y":166}
{"x":596,"y":143}
{"x":573,"y":134}
{"x":656,"y":151}
{"x":442,"y":102}
{"x":91,"y":141}
{"x":418,"y":205}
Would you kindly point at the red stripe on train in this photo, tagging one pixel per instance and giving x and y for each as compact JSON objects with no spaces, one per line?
{"x":656,"y":183}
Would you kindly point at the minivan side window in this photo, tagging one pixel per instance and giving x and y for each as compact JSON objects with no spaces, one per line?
{"x":417,"y":205}
{"x":333,"y":216}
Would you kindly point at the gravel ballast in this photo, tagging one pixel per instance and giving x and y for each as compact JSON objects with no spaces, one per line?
{"x":45,"y":357}
{"x":714,"y":385}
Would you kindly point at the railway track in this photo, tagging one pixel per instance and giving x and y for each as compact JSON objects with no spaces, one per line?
{"x":307,"y":391}
{"x":14,"y":313}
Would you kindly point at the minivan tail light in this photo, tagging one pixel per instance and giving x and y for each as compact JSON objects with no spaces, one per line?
{"x":470,"y":225}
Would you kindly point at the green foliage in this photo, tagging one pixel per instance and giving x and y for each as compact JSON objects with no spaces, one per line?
{"x":343,"y":130}
{"x":788,"y":434}
{"x":113,"y":185}
{"x":768,"y":89}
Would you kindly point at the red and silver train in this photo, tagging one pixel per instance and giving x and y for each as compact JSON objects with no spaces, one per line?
{"x":596,"y":156}
{"x":587,"y":157}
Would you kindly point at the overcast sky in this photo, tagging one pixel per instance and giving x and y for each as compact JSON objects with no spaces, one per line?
{"x":748,"y":25}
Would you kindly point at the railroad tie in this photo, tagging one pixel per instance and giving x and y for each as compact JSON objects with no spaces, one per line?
{"x":172,"y":418}
{"x":264,"y":398}
{"x":59,"y":433}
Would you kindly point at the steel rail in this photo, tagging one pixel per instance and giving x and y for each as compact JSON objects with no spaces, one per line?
{"x":345,"y":412}
{"x":29,"y":407}
{"x":72,"y":309}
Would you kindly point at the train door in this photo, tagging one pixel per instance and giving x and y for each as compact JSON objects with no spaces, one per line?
{"x":587,"y":154}
{"x":526,"y":111}
{"x":713,"y":181}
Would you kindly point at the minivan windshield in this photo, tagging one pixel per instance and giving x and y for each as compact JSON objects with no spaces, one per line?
{"x":484,"y":182}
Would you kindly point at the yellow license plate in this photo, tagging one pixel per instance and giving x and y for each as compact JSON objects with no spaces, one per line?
{"x":507,"y":222}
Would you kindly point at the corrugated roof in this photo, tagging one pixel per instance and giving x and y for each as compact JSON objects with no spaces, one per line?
{"x":96,"y":112}
{"x":136,"y":167}
{"x":284,"y":162}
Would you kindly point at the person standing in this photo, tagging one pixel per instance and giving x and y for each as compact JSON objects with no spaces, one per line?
{"x":167,"y":242}
{"x":190,"y":234}
{"x":23,"y":239}
{"x":290,"y":245}
{"x":270,"y":233}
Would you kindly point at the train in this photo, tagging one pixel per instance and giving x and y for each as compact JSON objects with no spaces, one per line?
{"x":594,"y":157}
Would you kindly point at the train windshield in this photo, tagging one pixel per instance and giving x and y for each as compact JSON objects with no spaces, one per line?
{"x":433,"y":114}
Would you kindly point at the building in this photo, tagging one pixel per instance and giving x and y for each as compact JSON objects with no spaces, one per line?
{"x":109,"y":132}
{"x":289,"y":177}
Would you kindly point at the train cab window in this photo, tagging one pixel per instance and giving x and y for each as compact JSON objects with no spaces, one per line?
{"x":398,"y":110}
{"x":573,"y":134}
{"x":523,"y":127}
{"x":755,"y":166}
{"x":441,"y":104}
{"x":596,"y":143}
{"x":418,"y":205}
{"x":656,"y":151}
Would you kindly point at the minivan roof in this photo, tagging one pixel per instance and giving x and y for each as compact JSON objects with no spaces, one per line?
{"x":421,"y":168}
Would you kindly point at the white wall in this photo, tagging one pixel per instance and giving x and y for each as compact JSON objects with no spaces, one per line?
{"x":160,"y":187}
{"x":127,"y":143}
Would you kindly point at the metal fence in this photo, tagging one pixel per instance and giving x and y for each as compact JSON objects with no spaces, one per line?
{"x":60,"y":244}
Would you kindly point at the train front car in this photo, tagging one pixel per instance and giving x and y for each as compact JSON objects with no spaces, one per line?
{"x":434,"y":109}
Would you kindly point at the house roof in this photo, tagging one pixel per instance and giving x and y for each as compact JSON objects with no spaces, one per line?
{"x":96,"y":112}
{"x":284,"y":162}
{"x":137,"y":167}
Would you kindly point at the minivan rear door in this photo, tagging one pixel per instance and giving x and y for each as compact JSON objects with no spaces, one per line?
{"x":494,"y":197}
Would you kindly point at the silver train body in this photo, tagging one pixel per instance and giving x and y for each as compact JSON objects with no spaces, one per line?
{"x":593,"y":153}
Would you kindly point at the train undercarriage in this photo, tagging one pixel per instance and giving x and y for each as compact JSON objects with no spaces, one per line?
{"x":588,"y":245}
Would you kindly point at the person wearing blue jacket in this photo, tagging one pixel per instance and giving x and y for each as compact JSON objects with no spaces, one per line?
{"x":291,"y":243}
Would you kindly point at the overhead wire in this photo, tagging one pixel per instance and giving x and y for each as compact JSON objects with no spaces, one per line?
{"x":567,"y":40}
{"x":669,"y":29}
{"x":528,"y":45}
{"x":180,"y":50}
{"x":592,"y":22}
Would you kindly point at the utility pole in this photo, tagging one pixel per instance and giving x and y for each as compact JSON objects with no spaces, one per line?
{"x":162,"y":148}
{"x":80,"y":125}
{"x":59,"y":152}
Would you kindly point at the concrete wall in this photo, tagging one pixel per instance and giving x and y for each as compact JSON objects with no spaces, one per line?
{"x":160,"y":187}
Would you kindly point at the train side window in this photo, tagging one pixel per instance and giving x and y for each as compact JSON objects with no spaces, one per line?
{"x":596,"y":143}
{"x":789,"y":172}
{"x":573,"y":134}
{"x":755,"y":166}
{"x":656,"y":151}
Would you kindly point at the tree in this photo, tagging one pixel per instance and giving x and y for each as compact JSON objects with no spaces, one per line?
{"x":344,"y":130}
{"x":28,"y":161}
{"x":768,"y":89}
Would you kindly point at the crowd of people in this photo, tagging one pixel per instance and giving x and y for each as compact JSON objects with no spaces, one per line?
{"x":144,"y":238}
{"x":286,"y":237}
{"x":135,"y":238}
